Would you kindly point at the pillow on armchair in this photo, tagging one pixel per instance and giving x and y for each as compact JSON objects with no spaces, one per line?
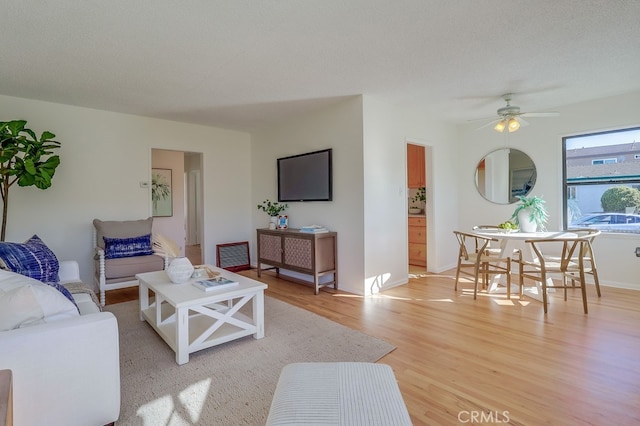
{"x":121,"y":229}
{"x":116,"y":248}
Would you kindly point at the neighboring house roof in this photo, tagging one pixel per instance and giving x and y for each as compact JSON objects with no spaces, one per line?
{"x":580,"y":162}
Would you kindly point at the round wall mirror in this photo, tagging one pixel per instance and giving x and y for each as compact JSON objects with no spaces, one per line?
{"x":504,"y":174}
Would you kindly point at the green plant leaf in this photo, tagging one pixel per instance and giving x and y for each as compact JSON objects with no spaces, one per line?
{"x":46,"y":135}
{"x":16,"y":126}
{"x":29,"y":166}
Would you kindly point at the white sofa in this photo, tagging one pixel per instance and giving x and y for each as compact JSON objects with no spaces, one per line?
{"x":65,"y":372}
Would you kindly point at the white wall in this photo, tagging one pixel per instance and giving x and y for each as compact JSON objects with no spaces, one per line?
{"x":542,"y":141}
{"x":104,"y":157}
{"x":338,"y":127}
{"x":369,"y":209}
{"x":387,"y":130}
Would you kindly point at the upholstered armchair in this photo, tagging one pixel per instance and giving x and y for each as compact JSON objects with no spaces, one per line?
{"x":122,"y":250}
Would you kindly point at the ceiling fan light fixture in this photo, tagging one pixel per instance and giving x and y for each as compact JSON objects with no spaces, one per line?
{"x":500,"y":126}
{"x":513,"y":125}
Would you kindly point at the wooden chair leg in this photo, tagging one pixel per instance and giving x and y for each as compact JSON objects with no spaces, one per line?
{"x":544,"y":292}
{"x":508,"y":280}
{"x":520,"y":281}
{"x":583,"y":285}
{"x":455,"y":287}
{"x":475,"y":285}
{"x":595,"y":279}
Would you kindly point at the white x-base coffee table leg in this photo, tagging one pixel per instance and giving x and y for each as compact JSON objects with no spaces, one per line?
{"x":196,"y":325}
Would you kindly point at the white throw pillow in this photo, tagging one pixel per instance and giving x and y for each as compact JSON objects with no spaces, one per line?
{"x":25,"y":301}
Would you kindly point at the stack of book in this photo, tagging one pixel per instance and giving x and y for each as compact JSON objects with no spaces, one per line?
{"x":314,"y":229}
{"x":214,"y":283}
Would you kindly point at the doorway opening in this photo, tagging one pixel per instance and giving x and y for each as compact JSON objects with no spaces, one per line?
{"x":418,"y":196}
{"x":183,"y":223}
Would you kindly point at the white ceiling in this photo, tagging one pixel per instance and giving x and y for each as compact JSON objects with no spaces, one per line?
{"x":241,"y":64}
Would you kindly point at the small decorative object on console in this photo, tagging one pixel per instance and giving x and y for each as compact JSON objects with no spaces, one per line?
{"x":283,"y":221}
{"x":214,"y":283}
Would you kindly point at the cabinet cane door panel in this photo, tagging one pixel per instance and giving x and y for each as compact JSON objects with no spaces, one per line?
{"x":298,"y":252}
{"x":271,"y":248}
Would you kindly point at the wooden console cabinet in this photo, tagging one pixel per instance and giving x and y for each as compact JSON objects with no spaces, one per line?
{"x":306,"y":253}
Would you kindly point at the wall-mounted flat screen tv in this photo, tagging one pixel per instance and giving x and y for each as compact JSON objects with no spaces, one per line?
{"x":305,"y":177}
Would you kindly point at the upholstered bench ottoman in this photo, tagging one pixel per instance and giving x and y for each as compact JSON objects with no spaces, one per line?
{"x":340,"y":393}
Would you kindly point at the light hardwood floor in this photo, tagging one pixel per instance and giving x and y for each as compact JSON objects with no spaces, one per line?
{"x":500,"y":361}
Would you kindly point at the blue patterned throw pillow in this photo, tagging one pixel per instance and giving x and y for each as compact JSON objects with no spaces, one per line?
{"x":32,"y":259}
{"x":115,"y":248}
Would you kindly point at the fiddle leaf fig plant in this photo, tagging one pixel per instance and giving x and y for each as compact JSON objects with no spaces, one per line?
{"x":25,"y":159}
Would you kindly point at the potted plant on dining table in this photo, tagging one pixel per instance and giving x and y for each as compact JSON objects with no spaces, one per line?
{"x":530,"y":214}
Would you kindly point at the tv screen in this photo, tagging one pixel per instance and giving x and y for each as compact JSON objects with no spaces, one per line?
{"x":305,"y":177}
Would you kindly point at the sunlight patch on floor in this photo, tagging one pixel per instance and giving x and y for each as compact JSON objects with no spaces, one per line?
{"x":163,"y":410}
{"x":498,"y":298}
{"x":420,"y":275}
{"x":194,"y":397}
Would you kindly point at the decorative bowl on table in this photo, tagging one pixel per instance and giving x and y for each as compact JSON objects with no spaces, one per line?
{"x":415,"y":210}
{"x":508,"y":231}
{"x":508,"y":227}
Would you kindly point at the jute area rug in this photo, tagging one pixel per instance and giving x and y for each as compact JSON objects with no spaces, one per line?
{"x":229,"y":384}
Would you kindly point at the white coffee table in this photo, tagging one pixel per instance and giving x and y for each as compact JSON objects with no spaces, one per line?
{"x":189,"y":319}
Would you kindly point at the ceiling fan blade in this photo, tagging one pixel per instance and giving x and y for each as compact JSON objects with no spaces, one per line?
{"x":491,"y":123}
{"x":484,"y":119}
{"x":541,"y":114}
{"x":522,"y":121}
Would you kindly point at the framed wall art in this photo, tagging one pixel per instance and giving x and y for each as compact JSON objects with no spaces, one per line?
{"x":161,"y":193}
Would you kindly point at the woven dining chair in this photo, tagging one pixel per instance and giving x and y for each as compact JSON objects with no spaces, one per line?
{"x":590,"y":235}
{"x":564,"y":257}
{"x":477,"y":261}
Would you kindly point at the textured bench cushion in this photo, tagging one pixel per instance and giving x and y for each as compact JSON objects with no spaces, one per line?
{"x":342,"y":393}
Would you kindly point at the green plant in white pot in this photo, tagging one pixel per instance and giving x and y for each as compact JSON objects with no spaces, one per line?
{"x":273,"y":209}
{"x":530,"y":214}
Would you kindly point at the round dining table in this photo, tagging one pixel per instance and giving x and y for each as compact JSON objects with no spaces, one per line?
{"x":515,"y":240}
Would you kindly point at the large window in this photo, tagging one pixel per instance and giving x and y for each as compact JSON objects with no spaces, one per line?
{"x":602,"y":181}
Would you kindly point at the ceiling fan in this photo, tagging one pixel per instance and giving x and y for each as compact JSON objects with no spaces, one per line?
{"x":510,"y":117}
